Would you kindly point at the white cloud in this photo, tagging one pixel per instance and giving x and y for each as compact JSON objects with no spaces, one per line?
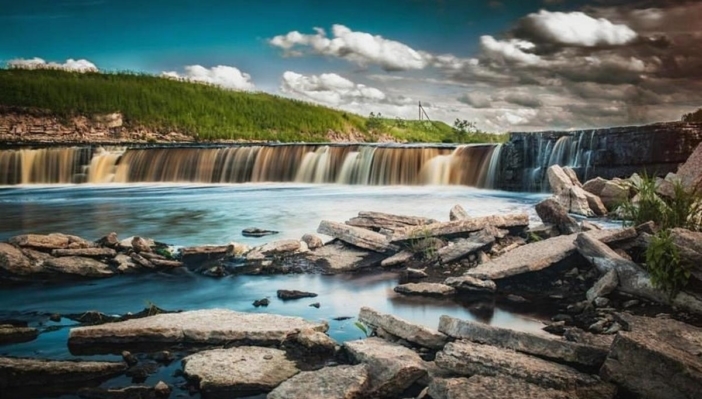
{"x":224,"y":76}
{"x":72,"y":65}
{"x":358,"y":47}
{"x":476,"y":100}
{"x":511,"y":51}
{"x":576,"y":29}
{"x":329,"y":88}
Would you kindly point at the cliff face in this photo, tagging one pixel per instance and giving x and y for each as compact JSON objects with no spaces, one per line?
{"x":657,"y":149}
{"x":20,"y":126}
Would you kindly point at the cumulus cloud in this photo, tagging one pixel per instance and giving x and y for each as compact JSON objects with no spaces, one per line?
{"x":524,"y":99}
{"x":358,"y":47}
{"x":510,"y":51}
{"x":224,"y":76}
{"x":574,"y":29}
{"x":329,"y":88}
{"x":72,"y":65}
{"x":475,"y":100}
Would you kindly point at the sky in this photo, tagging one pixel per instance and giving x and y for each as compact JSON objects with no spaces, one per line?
{"x":519,"y":65}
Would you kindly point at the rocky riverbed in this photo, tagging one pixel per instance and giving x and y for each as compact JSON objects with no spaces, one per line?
{"x":612,"y":334}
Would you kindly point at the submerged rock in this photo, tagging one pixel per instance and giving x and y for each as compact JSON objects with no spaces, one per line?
{"x":11,"y":334}
{"x":429,"y":289}
{"x":261,"y":302}
{"x":24,"y":373}
{"x":392,"y":368}
{"x":287,"y":295}
{"x":396,"y":326}
{"x":211,"y":326}
{"x":257,"y":232}
{"x":340,"y":382}
{"x":241,"y":371}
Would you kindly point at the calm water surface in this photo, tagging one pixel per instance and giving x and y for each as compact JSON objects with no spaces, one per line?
{"x":197,"y":214}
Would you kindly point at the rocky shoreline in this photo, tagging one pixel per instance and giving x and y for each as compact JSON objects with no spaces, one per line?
{"x":612,"y":334}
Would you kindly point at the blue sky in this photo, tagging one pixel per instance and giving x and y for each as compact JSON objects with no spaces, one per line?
{"x":508,"y":65}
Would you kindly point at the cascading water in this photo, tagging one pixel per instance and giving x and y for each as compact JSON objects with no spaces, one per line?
{"x":472,"y":165}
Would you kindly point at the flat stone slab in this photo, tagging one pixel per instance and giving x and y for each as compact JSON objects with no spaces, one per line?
{"x":468,"y":358}
{"x":427,"y":289}
{"x":460,"y":227}
{"x":20,"y":373}
{"x":392,"y":368}
{"x":78,"y":266}
{"x":337,"y":257}
{"x":402,"y":328}
{"x":498,"y":387}
{"x":241,"y":371}
{"x":357,"y":236}
{"x":546,"y":346}
{"x":470,"y":284}
{"x":86,"y":252}
{"x":210,"y":326}
{"x":340,"y":382}
{"x":10,"y":334}
{"x":542,"y":254}
{"x":657,"y":359}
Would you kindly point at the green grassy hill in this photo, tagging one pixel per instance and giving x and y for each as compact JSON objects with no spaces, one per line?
{"x":204,"y":111}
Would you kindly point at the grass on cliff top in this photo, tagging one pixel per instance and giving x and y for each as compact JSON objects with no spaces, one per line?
{"x":203,"y":111}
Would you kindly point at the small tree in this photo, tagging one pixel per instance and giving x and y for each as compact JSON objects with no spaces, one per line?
{"x":461,"y":128}
{"x":375,"y":121}
{"x":693,"y":116}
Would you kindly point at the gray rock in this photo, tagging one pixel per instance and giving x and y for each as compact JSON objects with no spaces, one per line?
{"x":575,"y":200}
{"x":312,"y":241}
{"x":497,"y":387}
{"x":22,"y":373}
{"x":469,"y":284}
{"x":211,"y":326}
{"x":595,"y":186}
{"x":86,"y":252}
{"x":689,"y":244}
{"x":595,"y":203}
{"x":462,"y":247}
{"x":461,"y":227}
{"x":294,"y":294}
{"x":78,"y":266}
{"x":315,"y":341}
{"x":604,"y":286}
{"x":467,"y":358}
{"x":392,"y":368}
{"x":337,"y":257}
{"x":657,"y":358}
{"x":542,"y":345}
{"x":396,"y":326}
{"x":387,"y":221}
{"x":240,"y":371}
{"x":428,"y":289}
{"x":458,"y":213}
{"x":273,"y":249}
{"x":552,"y":212}
{"x":411,"y":273}
{"x":572,"y":175}
{"x":601,"y":302}
{"x":140,"y":244}
{"x":203,"y":253}
{"x":397,"y":259}
{"x":340,"y":382}
{"x":613,"y":194}
{"x":110,"y":240}
{"x":542,"y":254}
{"x":690,"y":173}
{"x":558,"y":179}
{"x":357,"y":236}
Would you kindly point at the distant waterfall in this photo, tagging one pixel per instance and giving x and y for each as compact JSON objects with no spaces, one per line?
{"x":471,"y":165}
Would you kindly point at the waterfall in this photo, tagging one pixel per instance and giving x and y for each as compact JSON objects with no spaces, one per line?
{"x":471,"y":165}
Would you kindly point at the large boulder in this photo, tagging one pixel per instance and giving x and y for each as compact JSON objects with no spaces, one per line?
{"x":656,"y":358}
{"x":558,"y":179}
{"x":411,"y":332}
{"x":575,"y":200}
{"x":468,"y":358}
{"x":595,"y":186}
{"x":392,"y":368}
{"x":17,"y":373}
{"x":547,"y":346}
{"x":690,"y":173}
{"x":552,"y":212}
{"x":210,"y":326}
{"x":614,"y":194}
{"x":340,"y":382}
{"x":240,"y":371}
{"x":15,"y":263}
{"x":689,"y":244}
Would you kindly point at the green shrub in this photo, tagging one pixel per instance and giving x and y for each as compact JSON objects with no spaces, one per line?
{"x":663,"y":263}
